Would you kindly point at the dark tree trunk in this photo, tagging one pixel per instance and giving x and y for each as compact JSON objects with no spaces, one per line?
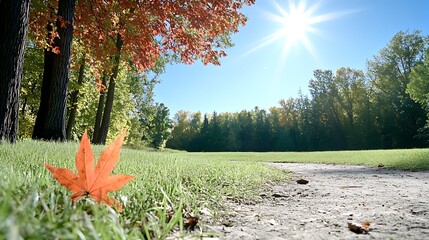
{"x":13,"y":32}
{"x":104,"y":128}
{"x":50,"y":121}
{"x":99,"y":116}
{"x":74,"y":98}
{"x":39,"y":125}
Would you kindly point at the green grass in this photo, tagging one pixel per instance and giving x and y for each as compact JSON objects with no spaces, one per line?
{"x":404,"y":159}
{"x":34,"y":206}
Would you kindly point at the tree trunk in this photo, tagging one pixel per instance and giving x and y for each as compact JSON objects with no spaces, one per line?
{"x":99,"y":116}
{"x":44,"y":96}
{"x":104,"y":128}
{"x":13,"y":32}
{"x":50,"y":121}
{"x":74,"y":98}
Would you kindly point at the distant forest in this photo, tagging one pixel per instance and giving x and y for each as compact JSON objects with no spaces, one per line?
{"x":382,"y":107}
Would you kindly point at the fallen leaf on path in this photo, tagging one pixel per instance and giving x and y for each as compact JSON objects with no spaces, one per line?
{"x":302,"y":181}
{"x":189,"y":223}
{"x":94,"y":181}
{"x":359,"y":228}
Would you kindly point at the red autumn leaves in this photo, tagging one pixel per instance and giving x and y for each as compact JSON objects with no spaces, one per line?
{"x":94,"y":181}
{"x":188,"y":29}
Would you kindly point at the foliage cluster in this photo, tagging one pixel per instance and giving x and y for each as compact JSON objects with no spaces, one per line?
{"x":134,"y":107}
{"x":382,"y":107}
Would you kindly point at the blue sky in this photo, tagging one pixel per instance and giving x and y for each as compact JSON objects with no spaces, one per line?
{"x":250,"y":76}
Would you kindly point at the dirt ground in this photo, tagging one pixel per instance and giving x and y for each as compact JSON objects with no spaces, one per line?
{"x":395,"y":202}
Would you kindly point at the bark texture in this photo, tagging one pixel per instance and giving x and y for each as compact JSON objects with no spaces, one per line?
{"x":13,"y":32}
{"x":50,"y":121}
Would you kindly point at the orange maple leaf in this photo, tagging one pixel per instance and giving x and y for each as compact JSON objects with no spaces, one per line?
{"x":94,"y":181}
{"x":56,"y":50}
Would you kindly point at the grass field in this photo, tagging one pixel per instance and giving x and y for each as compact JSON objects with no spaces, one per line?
{"x":405,"y":159}
{"x":34,"y":206}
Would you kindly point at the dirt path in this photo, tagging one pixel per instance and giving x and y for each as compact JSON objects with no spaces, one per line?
{"x":395,"y":202}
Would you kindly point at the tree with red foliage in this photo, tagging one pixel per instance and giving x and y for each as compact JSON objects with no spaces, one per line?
{"x":142,"y":31}
{"x":50,"y":121}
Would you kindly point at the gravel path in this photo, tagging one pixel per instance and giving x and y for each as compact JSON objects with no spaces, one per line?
{"x":395,"y":202}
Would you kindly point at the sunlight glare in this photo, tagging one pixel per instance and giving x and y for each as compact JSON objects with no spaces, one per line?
{"x":295,"y":24}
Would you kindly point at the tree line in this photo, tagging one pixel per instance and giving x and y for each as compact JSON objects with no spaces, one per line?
{"x":385,"y":106}
{"x":64,"y":62}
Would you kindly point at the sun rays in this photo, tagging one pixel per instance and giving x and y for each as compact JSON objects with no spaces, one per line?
{"x":296,"y":24}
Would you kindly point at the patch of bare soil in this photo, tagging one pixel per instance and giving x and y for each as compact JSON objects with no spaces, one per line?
{"x":396,"y":203}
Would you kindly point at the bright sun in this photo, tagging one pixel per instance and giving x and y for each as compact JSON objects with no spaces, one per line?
{"x":295,"y":23}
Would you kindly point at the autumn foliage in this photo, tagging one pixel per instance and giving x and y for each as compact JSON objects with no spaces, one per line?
{"x":94,"y":181}
{"x":189,"y":29}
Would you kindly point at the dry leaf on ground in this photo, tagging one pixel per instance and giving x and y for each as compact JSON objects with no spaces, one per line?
{"x":359,"y":228}
{"x":190,"y":223}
